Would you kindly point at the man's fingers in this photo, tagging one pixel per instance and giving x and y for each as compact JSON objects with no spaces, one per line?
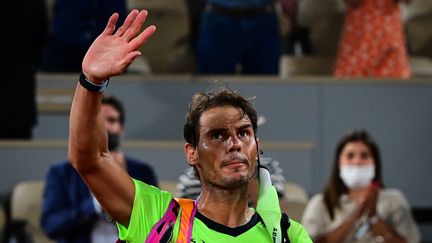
{"x":110,"y":27}
{"x":142,"y":38}
{"x":132,"y":56}
{"x":136,"y":25}
{"x":120,"y":66}
{"x":127,"y":23}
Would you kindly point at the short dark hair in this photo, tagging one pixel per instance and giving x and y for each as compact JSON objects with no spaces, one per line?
{"x":203,"y":101}
{"x":336,"y":187}
{"x":117,"y":105}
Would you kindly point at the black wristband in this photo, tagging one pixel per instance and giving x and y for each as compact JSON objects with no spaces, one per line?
{"x":90,"y":86}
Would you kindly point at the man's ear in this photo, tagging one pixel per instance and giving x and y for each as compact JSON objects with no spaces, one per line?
{"x":259,"y":151}
{"x":191,"y":154}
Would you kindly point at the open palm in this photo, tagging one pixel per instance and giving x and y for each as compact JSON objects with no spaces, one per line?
{"x":113,"y":51}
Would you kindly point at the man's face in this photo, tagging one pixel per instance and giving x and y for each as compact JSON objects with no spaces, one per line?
{"x":111,"y":119}
{"x":227,"y":150}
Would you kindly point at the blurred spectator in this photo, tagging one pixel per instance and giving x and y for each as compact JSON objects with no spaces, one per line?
{"x":297,"y":41}
{"x":241,"y":36}
{"x":195,"y":10}
{"x":22,"y":52}
{"x":74,"y":26}
{"x":70,"y":213}
{"x":355,"y":206}
{"x":184,"y":60}
{"x":373,"y":42}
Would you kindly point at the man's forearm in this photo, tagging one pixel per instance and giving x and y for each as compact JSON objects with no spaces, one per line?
{"x":87,"y":135}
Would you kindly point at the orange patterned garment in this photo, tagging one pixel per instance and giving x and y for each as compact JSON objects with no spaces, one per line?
{"x":373,"y":42}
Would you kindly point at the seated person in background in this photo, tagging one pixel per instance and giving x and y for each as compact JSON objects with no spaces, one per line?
{"x":355,"y":207}
{"x":189,"y":185}
{"x":70,"y":213}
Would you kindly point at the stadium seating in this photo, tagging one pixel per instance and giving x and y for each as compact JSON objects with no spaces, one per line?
{"x":26,"y":203}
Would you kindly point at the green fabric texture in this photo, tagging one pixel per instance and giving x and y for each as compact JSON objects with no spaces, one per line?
{"x":150,"y":204}
{"x":268,"y":205}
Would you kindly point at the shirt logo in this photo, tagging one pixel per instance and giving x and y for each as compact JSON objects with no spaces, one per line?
{"x":274,"y":234}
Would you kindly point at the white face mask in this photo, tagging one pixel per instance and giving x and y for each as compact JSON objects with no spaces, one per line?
{"x":357,"y":176}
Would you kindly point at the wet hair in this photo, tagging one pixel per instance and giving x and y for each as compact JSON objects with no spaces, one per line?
{"x":336,"y":187}
{"x":204,"y":101}
{"x":117,"y":105}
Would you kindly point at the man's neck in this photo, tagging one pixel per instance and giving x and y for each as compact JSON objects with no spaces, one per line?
{"x":225,"y":207}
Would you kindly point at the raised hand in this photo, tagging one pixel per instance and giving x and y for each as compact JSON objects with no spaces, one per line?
{"x":113,"y":51}
{"x":369,"y":200}
{"x":373,"y":191}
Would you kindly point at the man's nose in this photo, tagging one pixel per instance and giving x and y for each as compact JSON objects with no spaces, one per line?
{"x":233,"y":144}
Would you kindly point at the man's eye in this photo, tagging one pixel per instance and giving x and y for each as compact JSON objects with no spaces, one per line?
{"x":243,"y":134}
{"x":350,"y":155}
{"x":216,"y":136}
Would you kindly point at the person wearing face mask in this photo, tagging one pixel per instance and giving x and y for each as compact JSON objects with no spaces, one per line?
{"x":70,"y":213}
{"x":355,"y":207}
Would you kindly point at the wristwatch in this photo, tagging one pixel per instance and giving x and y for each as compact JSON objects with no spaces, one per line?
{"x":90,"y":86}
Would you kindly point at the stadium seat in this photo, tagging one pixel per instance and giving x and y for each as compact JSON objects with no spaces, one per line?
{"x":296,"y":200}
{"x":421,"y":66}
{"x":305,"y":66}
{"x":2,"y":220}
{"x":169,"y":186}
{"x":170,"y":17}
{"x":26,"y":203}
{"x":419,"y":35}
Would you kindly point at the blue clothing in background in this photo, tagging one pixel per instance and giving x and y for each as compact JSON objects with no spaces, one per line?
{"x":68,"y":212}
{"x":81,"y":21}
{"x":239,"y":33}
{"x":238,"y":3}
{"x":74,"y":26}
{"x":225,"y":41}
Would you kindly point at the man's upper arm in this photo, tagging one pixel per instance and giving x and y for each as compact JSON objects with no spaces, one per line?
{"x":142,"y":171}
{"x":113,"y":188}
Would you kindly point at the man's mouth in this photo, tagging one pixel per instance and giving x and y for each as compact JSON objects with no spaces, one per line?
{"x":234,"y":162}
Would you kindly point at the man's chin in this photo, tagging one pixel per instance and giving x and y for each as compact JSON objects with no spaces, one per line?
{"x":236,"y":180}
